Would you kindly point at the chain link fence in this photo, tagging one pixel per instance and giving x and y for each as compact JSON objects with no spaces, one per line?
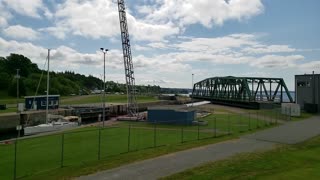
{"x":27,"y":156}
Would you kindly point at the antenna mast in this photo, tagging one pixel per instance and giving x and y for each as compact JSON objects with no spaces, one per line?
{"x":127,"y":58}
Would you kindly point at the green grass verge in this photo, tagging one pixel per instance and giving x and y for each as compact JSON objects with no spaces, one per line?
{"x":80,"y":147}
{"x":9,"y":110}
{"x":300,"y":161}
{"x":110,"y":98}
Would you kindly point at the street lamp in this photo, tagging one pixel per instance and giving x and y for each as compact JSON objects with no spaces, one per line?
{"x":104,"y":51}
{"x":18,"y":77}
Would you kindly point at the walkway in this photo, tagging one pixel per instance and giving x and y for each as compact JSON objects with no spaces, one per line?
{"x":290,"y":133}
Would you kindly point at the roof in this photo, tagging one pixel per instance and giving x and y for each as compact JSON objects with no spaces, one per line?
{"x":308,"y":75}
{"x":171,"y":107}
{"x":41,"y":96}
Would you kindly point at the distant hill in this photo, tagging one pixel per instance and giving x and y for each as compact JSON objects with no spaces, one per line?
{"x":63,"y":83}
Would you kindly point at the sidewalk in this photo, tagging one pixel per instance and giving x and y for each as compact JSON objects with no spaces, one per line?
{"x":289,"y":133}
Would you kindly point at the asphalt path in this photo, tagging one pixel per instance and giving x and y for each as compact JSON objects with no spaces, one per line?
{"x":289,"y":133}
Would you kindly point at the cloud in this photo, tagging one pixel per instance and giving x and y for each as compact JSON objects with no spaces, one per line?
{"x":276,"y":61}
{"x":205,"y":12}
{"x":5,"y":15}
{"x":216,"y":44}
{"x":3,"y":22}
{"x":21,"y":32}
{"x":310,"y":66}
{"x":263,"y":49}
{"x":101,"y":20}
{"x":63,"y":57}
{"x":29,"y":8}
{"x":58,"y":32}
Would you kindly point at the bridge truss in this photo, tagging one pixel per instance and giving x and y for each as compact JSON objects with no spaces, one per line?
{"x":242,"y":90}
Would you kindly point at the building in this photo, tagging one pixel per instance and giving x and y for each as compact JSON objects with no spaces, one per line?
{"x":40,"y":102}
{"x":171,"y":115}
{"x":307,"y":88}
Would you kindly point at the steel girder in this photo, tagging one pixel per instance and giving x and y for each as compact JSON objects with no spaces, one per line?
{"x":244,"y":89}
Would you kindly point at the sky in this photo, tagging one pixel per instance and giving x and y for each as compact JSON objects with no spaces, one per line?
{"x":170,"y":39}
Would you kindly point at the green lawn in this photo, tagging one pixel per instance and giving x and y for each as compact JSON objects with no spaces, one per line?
{"x":86,"y":99}
{"x":9,"y":110}
{"x":78,"y":147}
{"x":300,"y":161}
{"x":110,"y":98}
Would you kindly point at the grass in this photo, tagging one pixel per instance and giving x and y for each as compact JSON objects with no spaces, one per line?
{"x":86,"y":99}
{"x":9,"y":110}
{"x":41,"y":155}
{"x":300,"y":161}
{"x":110,"y":98}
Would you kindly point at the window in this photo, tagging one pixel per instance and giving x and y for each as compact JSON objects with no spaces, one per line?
{"x":43,"y":103}
{"x":303,"y":84}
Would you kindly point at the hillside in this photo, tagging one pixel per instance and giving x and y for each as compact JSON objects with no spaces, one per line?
{"x":63,"y":83}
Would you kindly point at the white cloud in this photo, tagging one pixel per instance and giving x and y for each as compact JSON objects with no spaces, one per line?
{"x":21,"y":32}
{"x":262,"y":49}
{"x":5,"y":15}
{"x":217,"y":44}
{"x":25,"y":7}
{"x":101,"y":20}
{"x":58,"y":32}
{"x":276,"y":61}
{"x":310,"y":66}
{"x":3,"y":22}
{"x":205,"y":12}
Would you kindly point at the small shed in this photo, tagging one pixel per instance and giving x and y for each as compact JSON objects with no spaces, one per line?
{"x":40,"y":102}
{"x":307,"y":89}
{"x":171,"y":115}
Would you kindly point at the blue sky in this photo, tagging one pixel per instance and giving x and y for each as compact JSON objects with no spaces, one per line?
{"x":171,"y":39}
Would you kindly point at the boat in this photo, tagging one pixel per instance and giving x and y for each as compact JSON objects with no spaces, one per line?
{"x":57,"y":124}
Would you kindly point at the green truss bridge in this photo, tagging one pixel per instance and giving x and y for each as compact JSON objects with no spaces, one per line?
{"x":249,"y":92}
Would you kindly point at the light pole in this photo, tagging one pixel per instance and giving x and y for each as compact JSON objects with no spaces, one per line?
{"x":18,"y":77}
{"x":104,"y":51}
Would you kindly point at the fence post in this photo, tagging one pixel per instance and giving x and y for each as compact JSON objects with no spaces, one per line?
{"x":198,"y":131}
{"x":62,"y":150}
{"x":15,"y":159}
{"x":265,"y":120}
{"x":239,"y":121}
{"x":257,"y":123}
{"x":249,"y":122}
{"x":129,"y":133}
{"x":229,"y":125}
{"x":99,"y":144}
{"x":277,"y":117}
{"x":181,"y":134}
{"x":154,"y":134}
{"x":215,"y":126}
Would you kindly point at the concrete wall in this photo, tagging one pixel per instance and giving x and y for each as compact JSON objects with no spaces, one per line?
{"x":9,"y":122}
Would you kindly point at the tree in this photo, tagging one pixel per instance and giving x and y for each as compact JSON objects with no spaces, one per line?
{"x":4,"y":80}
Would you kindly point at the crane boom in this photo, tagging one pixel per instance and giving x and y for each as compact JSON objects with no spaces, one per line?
{"x":127,"y":58}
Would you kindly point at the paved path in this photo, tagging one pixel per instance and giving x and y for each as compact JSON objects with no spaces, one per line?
{"x":290,"y":133}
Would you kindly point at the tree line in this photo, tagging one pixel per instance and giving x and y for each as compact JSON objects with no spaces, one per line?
{"x":62,"y":83}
